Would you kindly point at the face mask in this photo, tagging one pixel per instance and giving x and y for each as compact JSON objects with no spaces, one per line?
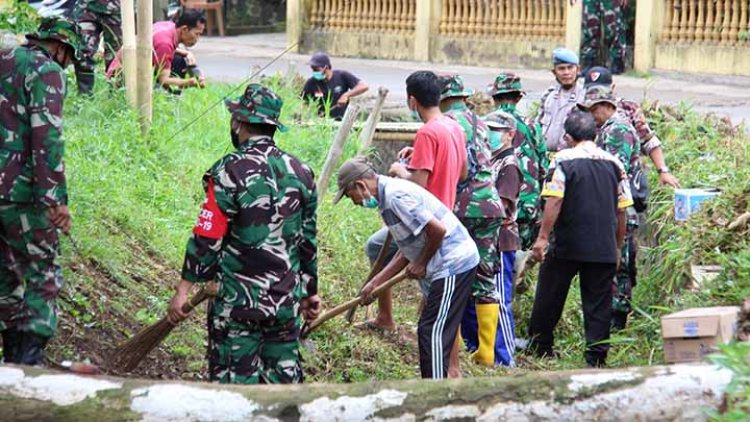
{"x":415,"y":115}
{"x":235,"y":138}
{"x":508,"y":108}
{"x":318,"y":75}
{"x":370,"y":202}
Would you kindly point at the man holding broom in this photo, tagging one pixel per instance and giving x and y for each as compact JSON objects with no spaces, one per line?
{"x":256,"y":237}
{"x":433,"y":247}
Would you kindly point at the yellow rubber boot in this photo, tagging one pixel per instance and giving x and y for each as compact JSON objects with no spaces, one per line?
{"x":487,"y":316}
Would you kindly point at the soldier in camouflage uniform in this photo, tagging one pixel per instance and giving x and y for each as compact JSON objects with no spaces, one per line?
{"x":94,"y":18}
{"x":480,"y":210}
{"x":607,"y":15}
{"x":506,"y":92}
{"x":617,"y":136}
{"x":33,"y":192}
{"x":256,"y":237}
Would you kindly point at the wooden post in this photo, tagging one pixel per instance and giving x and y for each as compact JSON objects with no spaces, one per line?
{"x":337,"y":148}
{"x":649,"y":18}
{"x":427,"y":23}
{"x":294,"y":23}
{"x":573,"y":18}
{"x":365,"y":138}
{"x":145,"y":66}
{"x":129,"y":62}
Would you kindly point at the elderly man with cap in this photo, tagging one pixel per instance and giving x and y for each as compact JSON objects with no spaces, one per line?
{"x":480,"y":210}
{"x":617,"y":136}
{"x":531,"y":151}
{"x":559,"y":99}
{"x":586,"y":195}
{"x":508,"y":181}
{"x":331,"y":89}
{"x":256,"y":238}
{"x":433,"y":247}
{"x":650,"y":143}
{"x":33,"y":189}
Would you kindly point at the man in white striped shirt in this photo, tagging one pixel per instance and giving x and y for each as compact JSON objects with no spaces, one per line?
{"x":433,"y":247}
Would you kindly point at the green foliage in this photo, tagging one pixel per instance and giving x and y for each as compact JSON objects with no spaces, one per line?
{"x":19,"y":18}
{"x":736,"y":358}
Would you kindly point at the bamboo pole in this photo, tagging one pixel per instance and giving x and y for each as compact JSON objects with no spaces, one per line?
{"x":145,"y":66}
{"x":129,"y":63}
{"x":365,"y":138}
{"x":337,"y":148}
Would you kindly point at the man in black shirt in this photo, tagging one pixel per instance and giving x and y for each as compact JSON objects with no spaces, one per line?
{"x":586,"y":199}
{"x":330,"y":87}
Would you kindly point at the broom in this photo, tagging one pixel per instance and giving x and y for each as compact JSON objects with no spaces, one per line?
{"x":129,"y":354}
{"x":351,"y":303}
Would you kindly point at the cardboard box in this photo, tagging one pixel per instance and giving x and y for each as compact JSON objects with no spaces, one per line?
{"x":692,"y":334}
{"x":688,"y":201}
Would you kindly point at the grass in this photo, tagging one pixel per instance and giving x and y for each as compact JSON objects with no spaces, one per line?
{"x":134,"y":201}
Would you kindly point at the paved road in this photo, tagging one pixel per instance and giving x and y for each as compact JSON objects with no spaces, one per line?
{"x":232,"y":59}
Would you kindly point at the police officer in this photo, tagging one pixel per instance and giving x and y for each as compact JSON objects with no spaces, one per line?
{"x":96,"y":18}
{"x":33,"y":191}
{"x":559,"y":99}
{"x":256,"y":237}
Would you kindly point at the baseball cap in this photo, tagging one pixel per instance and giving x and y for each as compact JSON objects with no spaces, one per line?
{"x":320,"y":59}
{"x":597,"y":75}
{"x":350,"y":172}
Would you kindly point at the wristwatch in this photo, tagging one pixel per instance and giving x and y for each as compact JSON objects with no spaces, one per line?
{"x":664,"y":169}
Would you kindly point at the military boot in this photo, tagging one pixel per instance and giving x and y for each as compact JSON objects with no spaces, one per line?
{"x":30,"y":349}
{"x":11,"y":338}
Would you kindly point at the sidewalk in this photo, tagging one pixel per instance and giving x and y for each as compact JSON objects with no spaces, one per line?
{"x":232,"y":59}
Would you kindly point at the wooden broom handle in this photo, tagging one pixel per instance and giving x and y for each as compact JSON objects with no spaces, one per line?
{"x":376,"y":268}
{"x":340,"y":309}
{"x":196,"y":300}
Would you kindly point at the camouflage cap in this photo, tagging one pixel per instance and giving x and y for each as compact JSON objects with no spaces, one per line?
{"x":499,"y":119}
{"x":597,"y":94}
{"x":349,"y":172}
{"x":257,"y":105}
{"x":452,"y":86}
{"x":59,"y":29}
{"x":505,"y":83}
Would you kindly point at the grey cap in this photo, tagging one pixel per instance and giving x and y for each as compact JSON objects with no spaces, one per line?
{"x":500,"y":120}
{"x":349,"y":172}
{"x":320,"y":59}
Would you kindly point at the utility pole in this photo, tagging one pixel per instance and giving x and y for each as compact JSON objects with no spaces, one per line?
{"x":145,"y":66}
{"x":129,"y":64}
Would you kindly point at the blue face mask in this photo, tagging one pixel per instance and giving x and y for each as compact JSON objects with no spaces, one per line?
{"x":318,"y":75}
{"x":415,"y":115}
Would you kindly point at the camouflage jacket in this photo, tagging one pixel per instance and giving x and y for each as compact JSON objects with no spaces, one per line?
{"x":632,"y":110}
{"x":97,"y":7}
{"x":533,"y":161}
{"x":32,"y":89}
{"x":256,"y":234}
{"x":479,"y":199}
{"x":618,"y":137}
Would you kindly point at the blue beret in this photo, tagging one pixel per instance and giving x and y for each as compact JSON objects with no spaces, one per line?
{"x":563,"y":55}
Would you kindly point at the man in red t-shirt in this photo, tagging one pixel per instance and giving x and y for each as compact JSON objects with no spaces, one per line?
{"x":167,"y":37}
{"x":437,"y":161}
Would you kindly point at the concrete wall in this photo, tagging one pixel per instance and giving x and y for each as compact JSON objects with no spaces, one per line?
{"x":724,"y":60}
{"x":496,"y":53}
{"x":366,"y":44}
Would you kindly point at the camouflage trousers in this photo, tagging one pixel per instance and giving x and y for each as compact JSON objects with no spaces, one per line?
{"x":29,"y":278}
{"x":528,"y":233}
{"x":624,"y":281}
{"x":253,"y":352}
{"x":485,"y":231}
{"x":603,"y":16}
{"x":92,"y":27}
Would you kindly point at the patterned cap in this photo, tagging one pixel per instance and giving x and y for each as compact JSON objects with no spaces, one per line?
{"x":257,"y":105}
{"x":597,"y":94}
{"x":598,"y":75}
{"x":563,"y":55}
{"x":452,"y":86}
{"x":59,"y":29}
{"x":505,"y":83}
{"x":349,"y":172}
{"x":499,"y":119}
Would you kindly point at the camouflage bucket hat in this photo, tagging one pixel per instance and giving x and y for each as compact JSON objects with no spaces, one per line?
{"x":595,"y":95}
{"x":452,"y":86}
{"x":505,"y":83}
{"x":257,"y":105}
{"x":59,"y":29}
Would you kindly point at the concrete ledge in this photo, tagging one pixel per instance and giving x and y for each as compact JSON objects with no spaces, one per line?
{"x":725,"y":60}
{"x":665,"y":393}
{"x":371,"y":45}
